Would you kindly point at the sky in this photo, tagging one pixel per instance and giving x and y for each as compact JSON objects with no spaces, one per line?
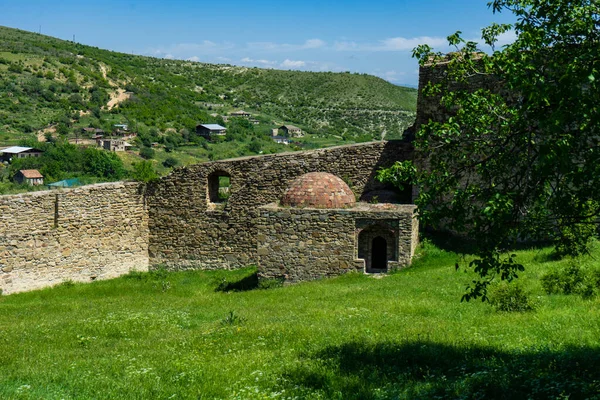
{"x":374,"y":37}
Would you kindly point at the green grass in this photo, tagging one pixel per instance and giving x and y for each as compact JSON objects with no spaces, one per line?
{"x":406,"y":335}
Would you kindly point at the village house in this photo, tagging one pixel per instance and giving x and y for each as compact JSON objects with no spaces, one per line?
{"x":210,"y":130}
{"x":291,"y":131}
{"x":29,"y":176}
{"x":281,"y":139}
{"x":113,"y":144}
{"x":18,"y":152}
{"x":241,"y":114}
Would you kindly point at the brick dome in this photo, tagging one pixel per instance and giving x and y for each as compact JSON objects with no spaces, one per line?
{"x":318,"y":190}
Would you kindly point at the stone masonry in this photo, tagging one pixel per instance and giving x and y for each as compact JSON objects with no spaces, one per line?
{"x":93,"y":232}
{"x":189,"y":229}
{"x":302,"y":243}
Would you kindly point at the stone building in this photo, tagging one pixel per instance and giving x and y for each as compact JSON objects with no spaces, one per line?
{"x":113,"y":144}
{"x":319,"y":230}
{"x":265,"y":221}
{"x":291,"y":131}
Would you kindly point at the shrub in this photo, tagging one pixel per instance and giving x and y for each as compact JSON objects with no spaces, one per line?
{"x":170,"y":162}
{"x":511,"y":298}
{"x":144,"y":172}
{"x":563,"y":281}
{"x":147,"y":153}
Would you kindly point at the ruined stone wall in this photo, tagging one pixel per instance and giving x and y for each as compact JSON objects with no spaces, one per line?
{"x":188,"y":231}
{"x":429,"y":107}
{"x":303,"y":244}
{"x":94,"y":232}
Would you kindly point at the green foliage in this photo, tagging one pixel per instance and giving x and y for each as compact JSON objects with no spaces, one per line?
{"x":63,"y":160}
{"x":147,"y":153}
{"x":143,"y":171}
{"x":170,"y":162}
{"x":572,"y":279}
{"x":511,"y":298}
{"x":103,"y":164}
{"x":514,"y":155}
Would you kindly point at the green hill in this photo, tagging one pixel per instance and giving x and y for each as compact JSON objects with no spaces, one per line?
{"x":51,"y":89}
{"x":45,"y":81}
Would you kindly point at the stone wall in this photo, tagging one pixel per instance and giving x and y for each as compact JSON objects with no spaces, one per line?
{"x":93,"y":232}
{"x":302,"y":244}
{"x":187,"y":230}
{"x":429,"y":107}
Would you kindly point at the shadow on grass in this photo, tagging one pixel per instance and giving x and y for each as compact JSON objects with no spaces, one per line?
{"x":430,"y":370}
{"x":463,"y":245}
{"x":248,"y":282}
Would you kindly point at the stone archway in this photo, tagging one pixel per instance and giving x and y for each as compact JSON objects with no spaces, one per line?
{"x":377,"y":244}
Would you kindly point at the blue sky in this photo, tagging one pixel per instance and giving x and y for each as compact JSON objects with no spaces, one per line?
{"x":374,"y":37}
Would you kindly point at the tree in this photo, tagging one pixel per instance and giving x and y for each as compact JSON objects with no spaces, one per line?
{"x":102,"y":164}
{"x":517,"y":158}
{"x":144,"y":172}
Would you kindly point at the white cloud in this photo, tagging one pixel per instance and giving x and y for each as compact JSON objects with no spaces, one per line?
{"x":185,"y":51}
{"x":404,"y":44}
{"x":292,"y":64}
{"x":506,"y":38}
{"x":272,"y":46}
{"x":194,"y":58}
{"x":390,"y":76}
{"x":260,"y":62}
{"x":391,"y":44}
{"x":345,"y":46}
{"x":313,"y":44}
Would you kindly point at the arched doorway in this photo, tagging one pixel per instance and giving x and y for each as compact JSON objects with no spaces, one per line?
{"x":379,"y":254}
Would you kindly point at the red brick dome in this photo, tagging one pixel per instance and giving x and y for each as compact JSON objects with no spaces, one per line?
{"x":318,"y":190}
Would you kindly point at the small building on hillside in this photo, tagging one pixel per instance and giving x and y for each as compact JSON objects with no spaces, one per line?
{"x":113,"y":144}
{"x":122,"y":127}
{"x":241,"y":114}
{"x":210,"y":130}
{"x":19,"y":152}
{"x":291,"y":131}
{"x":29,"y":176}
{"x":281,"y":139}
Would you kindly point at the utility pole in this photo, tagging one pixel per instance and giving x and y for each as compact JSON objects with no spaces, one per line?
{"x":40,"y":30}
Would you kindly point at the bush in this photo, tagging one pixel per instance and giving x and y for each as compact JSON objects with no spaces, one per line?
{"x":572,"y":280}
{"x":147,"y":153}
{"x":170,"y":162}
{"x":144,"y":172}
{"x":511,"y":298}
{"x":564,"y":281}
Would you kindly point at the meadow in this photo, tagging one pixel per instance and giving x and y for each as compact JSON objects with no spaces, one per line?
{"x":222,"y":334}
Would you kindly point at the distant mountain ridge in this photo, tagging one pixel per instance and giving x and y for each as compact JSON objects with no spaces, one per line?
{"x":46,"y":81}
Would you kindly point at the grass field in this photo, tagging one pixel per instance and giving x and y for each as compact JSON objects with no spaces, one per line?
{"x":166,"y":335}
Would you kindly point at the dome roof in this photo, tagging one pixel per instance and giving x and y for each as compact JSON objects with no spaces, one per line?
{"x":318,"y":190}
